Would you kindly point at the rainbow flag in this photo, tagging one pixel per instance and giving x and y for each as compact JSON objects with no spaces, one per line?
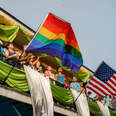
{"x":55,"y":37}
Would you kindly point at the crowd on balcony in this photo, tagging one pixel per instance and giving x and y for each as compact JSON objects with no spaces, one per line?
{"x":14,"y":58}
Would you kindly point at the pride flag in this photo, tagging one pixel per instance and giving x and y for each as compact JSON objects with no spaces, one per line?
{"x":55,"y":37}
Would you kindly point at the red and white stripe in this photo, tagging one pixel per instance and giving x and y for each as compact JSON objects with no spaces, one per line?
{"x":101,"y":88}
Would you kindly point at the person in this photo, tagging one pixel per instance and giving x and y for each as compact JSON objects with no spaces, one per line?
{"x":96,"y":98}
{"x":60,"y":77}
{"x":80,"y":99}
{"x":82,"y":88}
{"x":31,"y":60}
{"x":2,"y":50}
{"x":40,"y":69}
{"x":67,"y":84}
{"x":103,"y":107}
{"x":89,"y":93}
{"x":46,"y":74}
{"x":12,"y":56}
{"x":24,"y":58}
{"x":107,"y":100}
{"x":36,"y":63}
{"x":113,"y":102}
{"x":75,"y":84}
{"x":101,"y":99}
{"x":49,"y":72}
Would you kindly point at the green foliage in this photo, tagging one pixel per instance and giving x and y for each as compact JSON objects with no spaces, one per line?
{"x":94,"y":108}
{"x":112,"y":113}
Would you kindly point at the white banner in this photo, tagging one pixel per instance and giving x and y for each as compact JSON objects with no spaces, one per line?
{"x":104,"y":109}
{"x":81,"y":103}
{"x":40,"y":90}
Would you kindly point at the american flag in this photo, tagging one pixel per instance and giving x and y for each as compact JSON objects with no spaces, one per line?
{"x":104,"y":81}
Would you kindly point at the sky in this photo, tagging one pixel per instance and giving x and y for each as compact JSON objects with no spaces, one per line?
{"x":93,"y":21}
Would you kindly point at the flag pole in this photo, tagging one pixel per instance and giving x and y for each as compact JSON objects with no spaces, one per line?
{"x":88,"y":69}
{"x":37,"y":31}
{"x":78,"y":95}
{"x":83,"y":88}
{"x":88,"y":81}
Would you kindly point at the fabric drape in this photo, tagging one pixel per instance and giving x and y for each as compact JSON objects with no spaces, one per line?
{"x":104,"y":109}
{"x":9,"y":33}
{"x":16,"y":79}
{"x":81,"y":103}
{"x":40,"y":93}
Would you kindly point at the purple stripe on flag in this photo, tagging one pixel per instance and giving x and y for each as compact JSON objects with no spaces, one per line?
{"x":36,"y":44}
{"x":72,"y":59}
{"x":45,"y":50}
{"x":74,"y":67}
{"x":57,"y":53}
{"x":66,"y":61}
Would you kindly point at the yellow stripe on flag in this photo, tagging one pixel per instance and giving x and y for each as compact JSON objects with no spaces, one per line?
{"x":50,"y":35}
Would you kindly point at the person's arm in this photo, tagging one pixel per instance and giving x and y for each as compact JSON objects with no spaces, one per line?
{"x":110,"y":103}
{"x":83,"y":90}
{"x":37,"y":60}
{"x":31,"y":62}
{"x":5,"y":53}
{"x":14,"y":55}
{"x":87,"y":94}
{"x":34,"y":63}
{"x":56,"y":76}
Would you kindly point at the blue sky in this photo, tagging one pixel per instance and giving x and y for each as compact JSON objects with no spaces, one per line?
{"x":93,"y":21}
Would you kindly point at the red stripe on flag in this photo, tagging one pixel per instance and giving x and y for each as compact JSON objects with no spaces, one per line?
{"x":102,"y":85}
{"x":101,"y":90}
{"x":94,"y":91}
{"x":57,"y":26}
{"x":112,"y":81}
{"x":111,"y":86}
{"x":114,"y":77}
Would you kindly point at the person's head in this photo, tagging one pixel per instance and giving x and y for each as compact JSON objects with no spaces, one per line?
{"x":89,"y":93}
{"x":100,"y":98}
{"x":32,"y":57}
{"x":11,"y":46}
{"x":81,"y":84}
{"x":40,"y":68}
{"x":60,"y":69}
{"x":108,"y":95}
{"x":38,"y":64}
{"x":74,"y":79}
{"x":49,"y":68}
{"x":46,"y":74}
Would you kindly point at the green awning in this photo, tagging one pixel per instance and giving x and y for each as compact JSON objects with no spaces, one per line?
{"x":9,"y":33}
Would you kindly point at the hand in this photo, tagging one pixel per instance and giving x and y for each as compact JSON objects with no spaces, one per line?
{"x":38,"y":57}
{"x":18,"y":53}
